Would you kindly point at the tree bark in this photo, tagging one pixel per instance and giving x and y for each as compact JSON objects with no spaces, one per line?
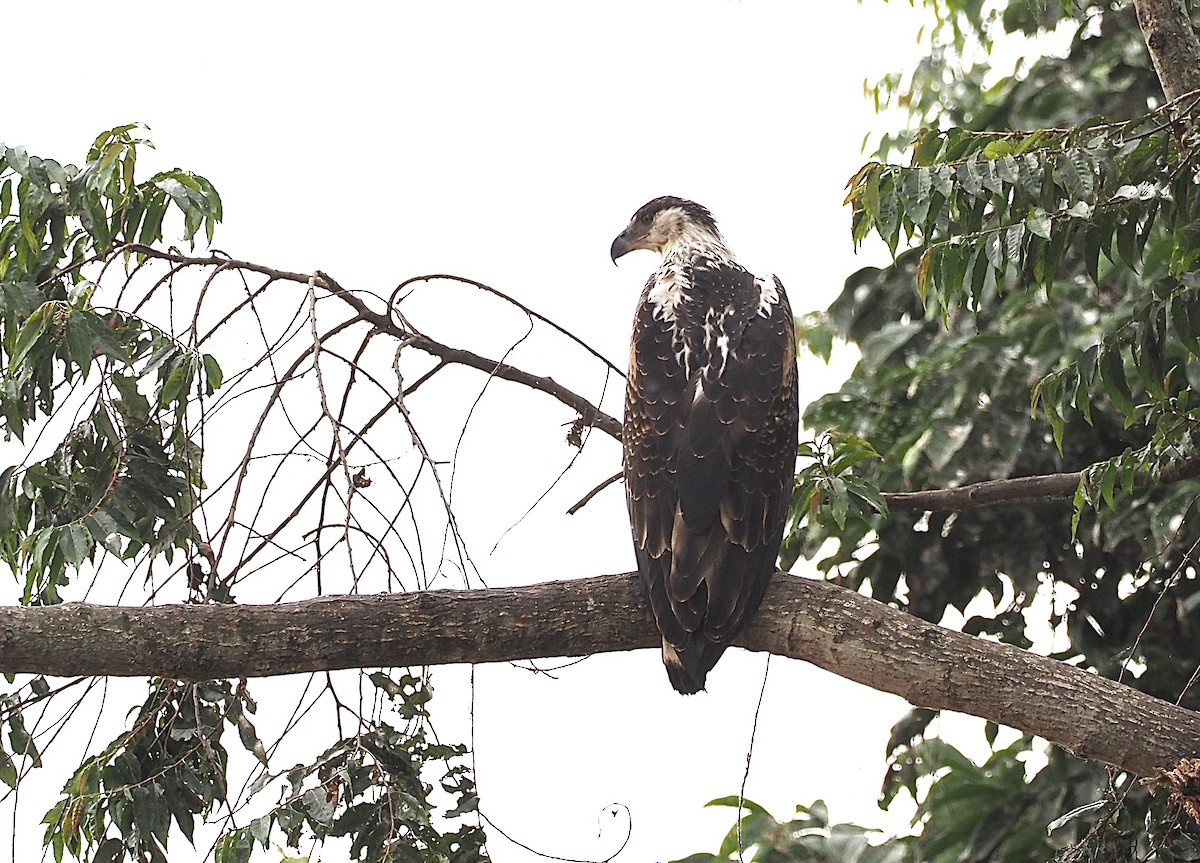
{"x":836,"y":629}
{"x":1174,"y":48}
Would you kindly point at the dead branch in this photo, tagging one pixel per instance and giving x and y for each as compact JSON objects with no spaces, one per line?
{"x":591,"y":415}
{"x":586,"y":499}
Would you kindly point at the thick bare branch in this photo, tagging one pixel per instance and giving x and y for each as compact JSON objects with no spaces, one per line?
{"x":831,"y":627}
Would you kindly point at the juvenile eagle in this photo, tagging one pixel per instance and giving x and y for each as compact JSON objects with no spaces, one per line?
{"x":709,"y":434}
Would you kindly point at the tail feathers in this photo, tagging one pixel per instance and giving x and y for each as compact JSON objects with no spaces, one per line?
{"x":688,"y":665}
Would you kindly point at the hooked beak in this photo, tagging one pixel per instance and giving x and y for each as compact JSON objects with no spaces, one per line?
{"x":619,"y":247}
{"x":624,"y":243}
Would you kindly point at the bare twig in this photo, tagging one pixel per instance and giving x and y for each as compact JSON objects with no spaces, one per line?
{"x":586,"y":499}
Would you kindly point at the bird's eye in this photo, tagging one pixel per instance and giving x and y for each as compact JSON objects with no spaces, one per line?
{"x":645,"y":218}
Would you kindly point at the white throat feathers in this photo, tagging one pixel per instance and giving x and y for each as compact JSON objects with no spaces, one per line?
{"x":671,"y":284}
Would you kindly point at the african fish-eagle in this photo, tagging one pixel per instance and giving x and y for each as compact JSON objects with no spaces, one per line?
{"x":709,"y":434}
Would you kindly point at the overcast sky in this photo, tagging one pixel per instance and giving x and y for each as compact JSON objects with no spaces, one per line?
{"x":509,"y":142}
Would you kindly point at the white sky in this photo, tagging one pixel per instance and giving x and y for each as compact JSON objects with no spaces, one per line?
{"x":509,"y":142}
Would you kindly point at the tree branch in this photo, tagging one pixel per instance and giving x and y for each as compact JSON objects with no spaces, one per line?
{"x":1042,"y":487}
{"x":1174,"y":48}
{"x":592,"y":416}
{"x":834,"y":628}
{"x":1045,"y":486}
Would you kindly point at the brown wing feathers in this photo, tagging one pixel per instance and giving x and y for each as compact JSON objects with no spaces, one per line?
{"x":710,"y":442}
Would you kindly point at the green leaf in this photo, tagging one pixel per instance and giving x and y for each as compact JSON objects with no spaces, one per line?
{"x":1185,"y":318}
{"x":839,"y":502}
{"x":733,"y":802}
{"x":110,"y":851}
{"x":105,"y":530}
{"x":1039,"y":223}
{"x":79,"y":343}
{"x":384,"y":682}
{"x":1127,"y":243}
{"x":213,"y":375}
{"x":1108,"y":480}
{"x":75,"y":543}
{"x":1094,"y":241}
{"x":20,"y":741}
{"x":994,"y":150}
{"x":156,"y":209}
{"x":1112,"y":376}
{"x":260,"y":829}
{"x":176,"y":386}
{"x":151,"y":813}
{"x":1030,"y":174}
{"x":848,"y":459}
{"x":1074,"y":170}
{"x":316,"y":804}
{"x":234,"y":847}
{"x":1078,"y":503}
{"x":887,"y":218}
{"x":184,"y":818}
{"x":917,"y":190}
{"x":8,"y":770}
{"x":970,"y":177}
{"x":32,"y":330}
{"x":104,"y":339}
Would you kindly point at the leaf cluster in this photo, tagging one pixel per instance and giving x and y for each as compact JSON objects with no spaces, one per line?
{"x":370,"y":787}
{"x":974,"y":812}
{"x":109,"y":395}
{"x":1101,"y":340}
{"x":808,"y":837}
{"x":992,"y":208}
{"x":64,"y":215}
{"x":168,"y":767}
{"x":125,"y":476}
{"x":830,"y":493}
{"x":1106,"y":70}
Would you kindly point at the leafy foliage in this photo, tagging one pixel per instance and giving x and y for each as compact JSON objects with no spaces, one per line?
{"x":828,"y":491}
{"x":808,"y":837}
{"x":169,"y":766}
{"x":970,"y":811}
{"x":989,"y":204}
{"x":1039,"y":318}
{"x":945,"y":382}
{"x":124,"y":478}
{"x":369,"y":787}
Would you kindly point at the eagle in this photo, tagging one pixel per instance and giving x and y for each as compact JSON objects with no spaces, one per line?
{"x":709,"y":435}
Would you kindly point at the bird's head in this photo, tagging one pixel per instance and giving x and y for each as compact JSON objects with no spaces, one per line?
{"x":666,"y":222}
